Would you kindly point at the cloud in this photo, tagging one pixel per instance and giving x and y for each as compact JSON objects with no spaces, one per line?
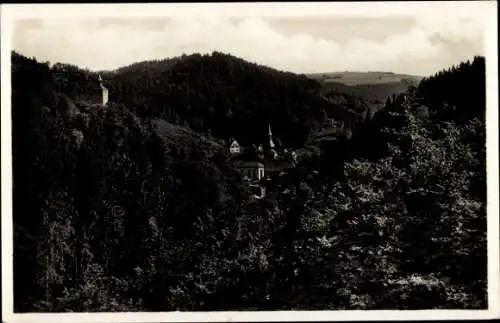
{"x":435,"y":41}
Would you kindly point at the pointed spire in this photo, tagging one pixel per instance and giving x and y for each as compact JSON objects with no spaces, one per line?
{"x":271,"y":143}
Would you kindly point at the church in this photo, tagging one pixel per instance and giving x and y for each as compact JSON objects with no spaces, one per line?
{"x":99,"y":93}
{"x":263,"y":162}
{"x":96,"y":93}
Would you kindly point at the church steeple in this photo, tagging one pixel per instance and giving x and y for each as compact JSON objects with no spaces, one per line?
{"x":105,"y":92}
{"x":271,"y":143}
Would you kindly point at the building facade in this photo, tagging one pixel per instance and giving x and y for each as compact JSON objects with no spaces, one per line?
{"x":259,"y":163}
{"x":252,"y":169}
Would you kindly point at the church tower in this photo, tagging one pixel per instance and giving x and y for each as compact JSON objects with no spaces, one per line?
{"x":271,"y":143}
{"x":105,"y":92}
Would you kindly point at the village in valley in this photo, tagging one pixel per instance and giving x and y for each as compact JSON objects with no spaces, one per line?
{"x":259,"y":165}
{"x":238,"y":164}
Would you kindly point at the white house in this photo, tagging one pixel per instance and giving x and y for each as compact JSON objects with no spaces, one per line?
{"x":234,"y":148}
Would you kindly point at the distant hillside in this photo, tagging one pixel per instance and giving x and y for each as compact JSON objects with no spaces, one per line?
{"x":226,"y":96}
{"x":371,"y":86}
{"x":356,"y":78}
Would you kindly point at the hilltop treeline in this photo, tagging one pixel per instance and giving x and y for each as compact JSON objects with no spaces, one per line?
{"x":116,"y":211}
{"x":228,"y":97}
{"x":457,"y":93}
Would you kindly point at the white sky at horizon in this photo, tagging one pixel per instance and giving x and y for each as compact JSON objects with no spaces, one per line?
{"x":416,"y":42}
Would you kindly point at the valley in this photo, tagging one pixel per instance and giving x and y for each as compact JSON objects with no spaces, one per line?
{"x":129,"y":195}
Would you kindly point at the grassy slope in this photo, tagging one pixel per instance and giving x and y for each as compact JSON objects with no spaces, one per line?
{"x":177,"y":134}
{"x":372,"y":86}
{"x":356,"y":78}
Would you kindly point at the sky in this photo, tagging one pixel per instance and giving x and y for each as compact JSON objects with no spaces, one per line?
{"x":418,"y":42}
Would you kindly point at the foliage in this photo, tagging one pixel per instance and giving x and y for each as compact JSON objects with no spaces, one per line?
{"x":457,"y":93}
{"x":117,"y":211}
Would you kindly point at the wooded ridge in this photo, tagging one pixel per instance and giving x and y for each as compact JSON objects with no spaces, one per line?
{"x":136,"y":205}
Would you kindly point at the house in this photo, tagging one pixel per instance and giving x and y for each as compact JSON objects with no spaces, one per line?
{"x":252,"y":169}
{"x":248,"y":161}
{"x":234,"y":147}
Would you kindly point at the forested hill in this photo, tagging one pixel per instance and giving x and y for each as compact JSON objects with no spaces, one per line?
{"x":100,"y":195}
{"x":114,"y":212}
{"x":229,"y":97}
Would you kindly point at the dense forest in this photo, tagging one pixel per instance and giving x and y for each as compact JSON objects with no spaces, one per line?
{"x":229,"y":97}
{"x":130,"y":207}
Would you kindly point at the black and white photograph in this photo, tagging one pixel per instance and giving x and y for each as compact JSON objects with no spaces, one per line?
{"x":245,"y":158}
